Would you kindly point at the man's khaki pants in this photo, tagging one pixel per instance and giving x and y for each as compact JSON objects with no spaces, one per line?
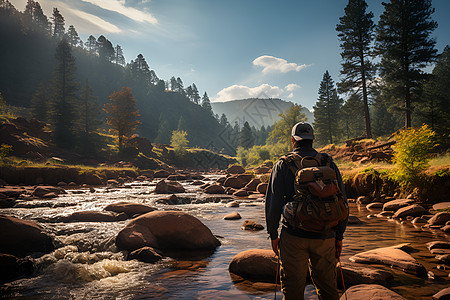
{"x":297,"y":254}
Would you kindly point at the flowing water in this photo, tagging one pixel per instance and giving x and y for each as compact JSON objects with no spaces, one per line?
{"x":86,"y":264}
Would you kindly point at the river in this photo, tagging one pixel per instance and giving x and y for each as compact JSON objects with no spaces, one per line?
{"x":86,"y":264}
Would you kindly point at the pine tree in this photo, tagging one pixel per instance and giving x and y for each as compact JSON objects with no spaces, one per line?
{"x":105,"y":49}
{"x":189,"y":92}
{"x":119,"y":59}
{"x":281,"y":132}
{"x":246,"y":138}
{"x":40,"y":102}
{"x":173,"y":84}
{"x":435,"y":109}
{"x":353,"y":116}
{"x":356,"y":34}
{"x":65,"y":87}
{"x":58,"y":24}
{"x":91,"y":44}
{"x":223,"y":120}
{"x":403,"y":41}
{"x":122,"y":114}
{"x":34,"y":13}
{"x":89,"y":110}
{"x":326,"y":112}
{"x":206,"y":103}
{"x":195,"y":94}
{"x":179,"y":86}
{"x":72,"y":36}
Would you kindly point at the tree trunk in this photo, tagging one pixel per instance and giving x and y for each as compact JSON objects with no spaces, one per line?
{"x":366,"y":102}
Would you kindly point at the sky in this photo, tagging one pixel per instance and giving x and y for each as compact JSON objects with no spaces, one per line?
{"x":232,"y":49}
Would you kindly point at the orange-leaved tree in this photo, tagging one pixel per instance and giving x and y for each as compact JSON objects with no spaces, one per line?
{"x":122,"y":114}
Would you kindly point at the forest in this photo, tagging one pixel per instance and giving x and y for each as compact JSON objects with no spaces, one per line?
{"x":49,"y":73}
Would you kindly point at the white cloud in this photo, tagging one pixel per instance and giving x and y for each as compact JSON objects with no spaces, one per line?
{"x":273,"y":64}
{"x":291,"y":95}
{"x":130,"y":12}
{"x":99,"y":22}
{"x":292,"y":87}
{"x":235,"y":92}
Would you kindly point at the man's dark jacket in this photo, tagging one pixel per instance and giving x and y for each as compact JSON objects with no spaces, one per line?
{"x":281,"y":190}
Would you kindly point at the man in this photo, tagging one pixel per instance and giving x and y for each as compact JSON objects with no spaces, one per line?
{"x":299,"y":249}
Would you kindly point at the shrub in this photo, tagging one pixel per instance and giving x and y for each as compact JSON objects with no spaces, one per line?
{"x":412,"y":152}
{"x":5,"y":150}
{"x":179,"y":141}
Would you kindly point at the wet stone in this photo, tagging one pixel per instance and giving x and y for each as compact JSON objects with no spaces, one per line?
{"x":232,"y":216}
{"x":251,"y":225}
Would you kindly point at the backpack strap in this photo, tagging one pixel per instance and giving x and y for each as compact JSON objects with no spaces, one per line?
{"x":323,"y":159}
{"x":292,"y":160}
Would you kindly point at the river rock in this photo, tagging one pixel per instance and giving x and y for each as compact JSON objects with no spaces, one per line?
{"x":374,"y":205}
{"x":251,"y":225}
{"x":370,"y":291}
{"x":394,"y":205}
{"x":356,"y":274}
{"x":232,"y":216}
{"x":232,"y":204}
{"x":255,"y":264}
{"x":410,"y":211}
{"x":392,"y":256}
{"x":439,"y":219}
{"x":442,"y":295}
{"x":221,"y":180}
{"x":92,"y":216}
{"x":166,"y":231}
{"x":164,"y":187}
{"x":353,"y":220}
{"x":230,"y":191}
{"x":214,"y":189}
{"x":21,"y":237}
{"x":198,"y":182}
{"x":262,"y":169}
{"x":363,"y":200}
{"x":437,"y":251}
{"x":240,"y":193}
{"x":418,"y":220}
{"x":252,"y":185}
{"x":12,"y":267}
{"x":385,"y":214}
{"x":161,"y":174}
{"x":130,"y":209}
{"x":235,"y":169}
{"x":145,"y":254}
{"x":41,"y":191}
{"x":262,"y":188}
{"x":445,"y":258}
{"x":438,"y":245}
{"x":13,"y":192}
{"x":176,"y":177}
{"x":446,"y":228}
{"x":441,"y":205}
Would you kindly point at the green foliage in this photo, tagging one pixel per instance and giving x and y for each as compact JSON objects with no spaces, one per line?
{"x":179,"y":141}
{"x":281,"y":132}
{"x":412,"y":152}
{"x":246,"y":138}
{"x":257,"y":154}
{"x":353,"y":117}
{"x":5,"y":149}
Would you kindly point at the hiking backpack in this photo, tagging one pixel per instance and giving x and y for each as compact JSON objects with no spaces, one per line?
{"x":318,"y":205}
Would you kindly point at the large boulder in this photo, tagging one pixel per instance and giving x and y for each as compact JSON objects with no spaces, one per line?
{"x":262,"y":188}
{"x":410,"y":210}
{"x":394,"y":205}
{"x":130,"y":209}
{"x":41,"y":191}
{"x":166,"y":231}
{"x":355,"y":274}
{"x":392,"y":256}
{"x":252,"y":185}
{"x":235,"y":169}
{"x":214,"y":189}
{"x":164,"y":187}
{"x":255,"y":264}
{"x":238,"y":181}
{"x":12,"y":267}
{"x":442,"y":294}
{"x":21,"y":237}
{"x":370,"y":291}
{"x":439,"y":219}
{"x":92,"y":216}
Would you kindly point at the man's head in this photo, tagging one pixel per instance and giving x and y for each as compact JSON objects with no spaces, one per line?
{"x":302,"y":135}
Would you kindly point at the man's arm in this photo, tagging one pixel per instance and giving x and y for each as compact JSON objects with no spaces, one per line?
{"x":275,"y":199}
{"x":340,"y":228}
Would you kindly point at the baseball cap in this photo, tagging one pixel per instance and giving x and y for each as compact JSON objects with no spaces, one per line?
{"x":302,"y":131}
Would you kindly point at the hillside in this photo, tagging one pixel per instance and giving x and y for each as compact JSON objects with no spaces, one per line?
{"x":257,"y":112}
{"x":27,"y":57}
